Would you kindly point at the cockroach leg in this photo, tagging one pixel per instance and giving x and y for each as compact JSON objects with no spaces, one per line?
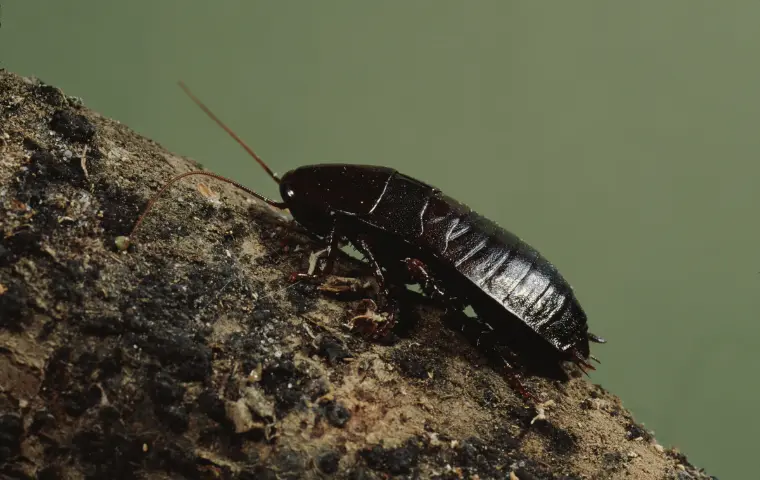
{"x":369,"y":322}
{"x":418,"y":272}
{"x":329,"y":252}
{"x":581,"y":362}
{"x":314,"y":259}
{"x":596,"y":338}
{"x":513,"y":378}
{"x":313,"y":262}
{"x":382,"y":318}
{"x":346,"y":286}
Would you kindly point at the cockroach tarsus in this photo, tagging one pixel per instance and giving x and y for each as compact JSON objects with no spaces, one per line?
{"x":412,"y":233}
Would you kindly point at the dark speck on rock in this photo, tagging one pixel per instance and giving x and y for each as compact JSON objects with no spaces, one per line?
{"x":184,"y":358}
{"x":362,"y":473}
{"x":107,"y":455}
{"x":613,"y":460}
{"x":680,"y":457}
{"x":11,"y":431}
{"x":331,"y":348}
{"x":72,"y":126}
{"x":411,"y":365}
{"x":213,"y":406}
{"x":120,"y":208}
{"x":111,"y":362}
{"x":165,"y":390}
{"x":109,"y":415}
{"x":336,"y":414}
{"x":328,"y":462}
{"x":45,"y":165}
{"x":523,"y":474}
{"x":288,"y":462}
{"x":257,"y":473}
{"x":561,"y":441}
{"x":637,"y":431}
{"x":175,"y":417}
{"x":484,"y":457}
{"x":173,"y":458}
{"x":262,"y":315}
{"x":286,"y":383}
{"x":51,"y":95}
{"x":50,"y":473}
{"x":13,"y":308}
{"x":40,"y":420}
{"x":78,"y":401}
{"x":395,"y":461}
{"x":303,"y":297}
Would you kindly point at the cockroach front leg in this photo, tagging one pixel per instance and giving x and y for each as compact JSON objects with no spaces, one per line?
{"x":374,"y":321}
{"x":330,"y":252}
{"x":328,"y":283}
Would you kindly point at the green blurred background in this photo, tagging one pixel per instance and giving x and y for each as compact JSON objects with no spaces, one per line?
{"x":620,"y":139}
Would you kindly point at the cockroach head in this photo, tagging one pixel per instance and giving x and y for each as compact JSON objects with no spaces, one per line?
{"x":316,"y":194}
{"x":300,"y":195}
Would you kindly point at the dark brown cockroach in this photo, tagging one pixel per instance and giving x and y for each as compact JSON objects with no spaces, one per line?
{"x":412,"y":233}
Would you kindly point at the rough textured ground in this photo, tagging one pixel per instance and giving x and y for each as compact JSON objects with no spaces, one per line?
{"x":189,"y":356}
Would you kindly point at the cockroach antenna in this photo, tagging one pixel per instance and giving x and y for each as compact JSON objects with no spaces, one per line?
{"x":229,"y":131}
{"x":206,"y":174}
{"x":124,"y":242}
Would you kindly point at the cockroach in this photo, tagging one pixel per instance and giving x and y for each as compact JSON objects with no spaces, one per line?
{"x":410,"y":232}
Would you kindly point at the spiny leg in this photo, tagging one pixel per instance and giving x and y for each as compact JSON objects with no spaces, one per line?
{"x":480,"y":333}
{"x":335,"y":285}
{"x":348,"y":286}
{"x":332,"y":240}
{"x":513,"y":379}
{"x":375,"y":321}
{"x":418,"y":271}
{"x":595,"y":338}
{"x":581,"y":362}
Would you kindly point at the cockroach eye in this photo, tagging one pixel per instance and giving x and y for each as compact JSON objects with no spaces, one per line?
{"x":289,"y":192}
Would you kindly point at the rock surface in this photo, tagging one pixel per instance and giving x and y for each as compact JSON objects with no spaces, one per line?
{"x":190,"y":355}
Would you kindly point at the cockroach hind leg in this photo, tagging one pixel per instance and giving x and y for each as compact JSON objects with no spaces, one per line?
{"x":581,"y":362}
{"x":513,"y":378}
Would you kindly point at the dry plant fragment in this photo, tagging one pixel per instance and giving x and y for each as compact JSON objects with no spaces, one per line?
{"x":541,"y":409}
{"x":207,"y":193}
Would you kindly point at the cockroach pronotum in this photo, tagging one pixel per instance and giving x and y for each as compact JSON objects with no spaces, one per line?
{"x":412,"y":233}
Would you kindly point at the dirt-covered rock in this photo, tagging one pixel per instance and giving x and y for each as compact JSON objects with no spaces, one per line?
{"x":190,"y":355}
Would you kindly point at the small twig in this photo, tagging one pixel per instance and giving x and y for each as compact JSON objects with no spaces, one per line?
{"x":83,"y":163}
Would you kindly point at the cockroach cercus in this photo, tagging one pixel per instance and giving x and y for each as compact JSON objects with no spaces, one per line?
{"x":412,"y":233}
